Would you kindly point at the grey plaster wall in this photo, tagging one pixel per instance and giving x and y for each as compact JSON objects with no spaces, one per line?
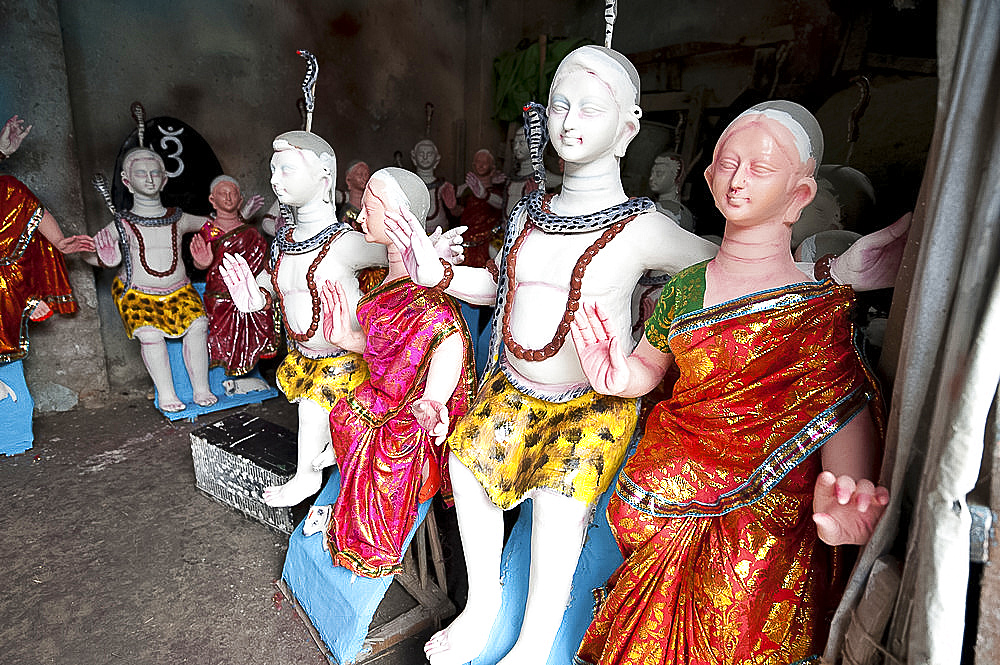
{"x":65,"y":363}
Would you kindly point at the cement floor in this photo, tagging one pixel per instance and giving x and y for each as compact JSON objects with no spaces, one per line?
{"x":111,"y":555}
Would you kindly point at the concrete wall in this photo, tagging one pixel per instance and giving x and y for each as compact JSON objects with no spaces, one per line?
{"x":65,"y":364}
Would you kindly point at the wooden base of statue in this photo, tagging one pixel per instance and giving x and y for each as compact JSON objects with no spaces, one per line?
{"x":237,"y":457}
{"x":15,"y":411}
{"x":339,"y":607}
{"x":599,"y":559}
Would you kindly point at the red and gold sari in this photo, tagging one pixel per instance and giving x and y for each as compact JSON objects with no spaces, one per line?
{"x":713,"y":513}
{"x":31,"y":268}
{"x":237,"y":340}
{"x":380,"y":447}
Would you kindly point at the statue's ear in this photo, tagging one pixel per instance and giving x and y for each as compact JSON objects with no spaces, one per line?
{"x":628,"y":132}
{"x":803,"y":192}
{"x":125,"y":181}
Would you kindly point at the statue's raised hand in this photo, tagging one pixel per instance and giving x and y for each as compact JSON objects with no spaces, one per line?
{"x":448,"y":195}
{"x":600,"y":351}
{"x":416,"y":249}
{"x":338,"y":321}
{"x":243,"y":288}
{"x":252,"y":205}
{"x":12,"y":134}
{"x":448,"y":245}
{"x":873,"y":260}
{"x":476,"y":185}
{"x":846,"y":511}
{"x":201,"y":251}
{"x":106,"y":246}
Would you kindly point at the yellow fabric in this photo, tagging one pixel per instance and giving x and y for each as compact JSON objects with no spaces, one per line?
{"x":172,"y":314}
{"x":514,"y":443}
{"x":322,"y":380}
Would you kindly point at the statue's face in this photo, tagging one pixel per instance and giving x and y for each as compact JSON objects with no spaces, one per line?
{"x":357,"y":177}
{"x":425,"y":156}
{"x":296,"y":179}
{"x":754,"y":171}
{"x":145,"y":175}
{"x":519,"y":146}
{"x":663,"y":175}
{"x":585,"y":123}
{"x":482,"y":164}
{"x":225,"y":197}
{"x":374,"y":203}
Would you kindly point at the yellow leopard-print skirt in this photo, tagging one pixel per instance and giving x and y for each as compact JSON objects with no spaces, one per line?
{"x":172,"y":313}
{"x":322,"y":380}
{"x":514,"y":443}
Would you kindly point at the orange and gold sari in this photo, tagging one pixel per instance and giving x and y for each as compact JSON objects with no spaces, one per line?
{"x":713,"y":513}
{"x":31,"y":268}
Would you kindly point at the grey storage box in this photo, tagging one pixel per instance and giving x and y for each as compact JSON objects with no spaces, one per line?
{"x":237,"y":457}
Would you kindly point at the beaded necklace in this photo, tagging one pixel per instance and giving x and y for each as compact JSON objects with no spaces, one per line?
{"x":572,"y":299}
{"x":170,"y":218}
{"x":310,"y":284}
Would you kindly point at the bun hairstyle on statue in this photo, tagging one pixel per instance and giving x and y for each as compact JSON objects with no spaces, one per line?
{"x":406,"y":189}
{"x":802,"y":125}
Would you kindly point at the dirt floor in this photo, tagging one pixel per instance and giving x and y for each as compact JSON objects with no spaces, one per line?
{"x":111,"y":555}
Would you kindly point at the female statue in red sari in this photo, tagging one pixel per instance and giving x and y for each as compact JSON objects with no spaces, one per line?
{"x":761,"y":459}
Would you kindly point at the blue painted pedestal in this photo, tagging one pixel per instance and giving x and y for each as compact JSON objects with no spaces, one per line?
{"x":339,"y":604}
{"x":16,"y":434}
{"x":599,"y":559}
{"x":216,"y":375}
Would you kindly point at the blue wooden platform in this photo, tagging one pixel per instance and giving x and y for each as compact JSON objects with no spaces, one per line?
{"x":16,"y":434}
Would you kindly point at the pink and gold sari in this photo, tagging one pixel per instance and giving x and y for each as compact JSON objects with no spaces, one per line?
{"x":713,"y":513}
{"x":380,"y":447}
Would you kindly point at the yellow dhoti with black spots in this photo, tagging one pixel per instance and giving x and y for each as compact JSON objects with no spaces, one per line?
{"x":171,"y":313}
{"x":514,"y":443}
{"x":322,"y":380}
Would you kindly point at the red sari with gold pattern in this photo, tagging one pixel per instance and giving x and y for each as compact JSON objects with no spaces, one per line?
{"x":31,"y":268}
{"x":380,"y":447}
{"x":713,"y":513}
{"x":237,"y":340}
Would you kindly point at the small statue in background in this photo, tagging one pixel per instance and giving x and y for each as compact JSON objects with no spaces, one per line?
{"x":237,"y":341}
{"x":480,"y":205}
{"x":356,"y":177}
{"x":152,"y":291}
{"x":425,"y":157}
{"x":665,"y":181}
{"x":521,"y":181}
{"x":388,"y":435}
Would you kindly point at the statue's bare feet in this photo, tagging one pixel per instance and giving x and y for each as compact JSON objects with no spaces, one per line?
{"x":465,"y":638}
{"x":324,"y":459}
{"x":205,"y":399}
{"x":172,"y":405}
{"x":292,"y":493}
